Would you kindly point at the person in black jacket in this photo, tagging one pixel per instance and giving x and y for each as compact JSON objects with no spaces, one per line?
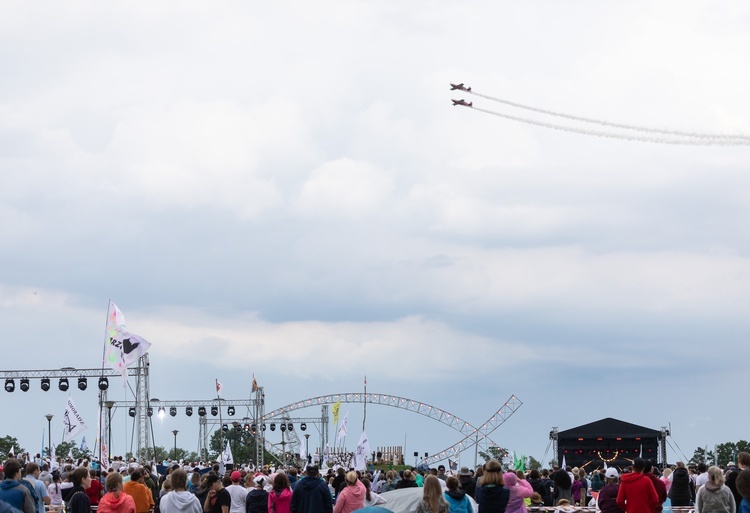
{"x":257,"y":499}
{"x":682,"y":491}
{"x":492,"y":495}
{"x":311,"y":495}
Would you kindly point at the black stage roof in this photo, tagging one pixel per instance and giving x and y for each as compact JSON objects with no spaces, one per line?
{"x":609,"y":428}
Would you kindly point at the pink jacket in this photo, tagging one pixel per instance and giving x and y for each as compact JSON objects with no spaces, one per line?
{"x":351,"y":498}
{"x":519,"y":490}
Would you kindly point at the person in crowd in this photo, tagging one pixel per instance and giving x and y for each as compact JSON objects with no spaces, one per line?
{"x":535,"y":480}
{"x":141,"y":494}
{"x":432,"y":497}
{"x":702,"y":477}
{"x":40,"y":489}
{"x":659,"y":486}
{"x":666,"y":479}
{"x":458,"y":500}
{"x":389,"y":483}
{"x":606,"y":500}
{"x":13,"y":491}
{"x":257,"y":498}
{"x":55,"y":491}
{"x":115,"y":500}
{"x":466,"y":481}
{"x":597,"y":481}
{"x":743,"y":488}
{"x":202,"y":489}
{"x":339,"y":481}
{"x":441,"y":473}
{"x":407,"y":481}
{"x":311,"y":494}
{"x":519,"y":489}
{"x":743,"y":462}
{"x":280,"y":496}
{"x":714,"y":496}
{"x":492,"y":495}
{"x":96,"y":490}
{"x":372,"y":498}
{"x":563,"y":484}
{"x":682,"y":491}
{"x":179,"y":500}
{"x":237,"y":492}
{"x":352,"y":497}
{"x":637,"y":493}
{"x":79,"y":501}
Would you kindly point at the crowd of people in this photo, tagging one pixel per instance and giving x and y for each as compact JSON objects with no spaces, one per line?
{"x":185,"y":488}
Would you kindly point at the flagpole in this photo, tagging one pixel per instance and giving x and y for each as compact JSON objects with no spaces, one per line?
{"x":221,"y":422}
{"x":364,"y":417}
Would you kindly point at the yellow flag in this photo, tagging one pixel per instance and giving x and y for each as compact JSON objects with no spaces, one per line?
{"x":336,"y":407}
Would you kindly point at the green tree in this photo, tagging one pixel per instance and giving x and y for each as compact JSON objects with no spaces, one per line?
{"x":533,"y":463}
{"x":241,"y":441}
{"x":494,"y":453}
{"x":702,"y":455}
{"x":10,"y":442}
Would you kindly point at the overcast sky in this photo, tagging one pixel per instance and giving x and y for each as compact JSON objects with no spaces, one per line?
{"x":284,"y":189}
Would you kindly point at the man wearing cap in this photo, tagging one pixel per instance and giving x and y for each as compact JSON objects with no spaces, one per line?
{"x":637,"y":494}
{"x":237,"y":492}
{"x":606,"y":501}
{"x":218,"y":499}
{"x":312,"y":494}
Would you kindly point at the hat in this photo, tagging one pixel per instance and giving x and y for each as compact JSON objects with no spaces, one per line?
{"x":259,"y":479}
{"x":464,"y":471}
{"x":236,"y":476}
{"x":611,"y":473}
{"x":730,"y":464}
{"x":211,"y":479}
{"x":536,"y":498}
{"x":312,"y":470}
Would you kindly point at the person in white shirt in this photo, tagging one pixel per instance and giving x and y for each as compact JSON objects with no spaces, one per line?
{"x":237,"y":492}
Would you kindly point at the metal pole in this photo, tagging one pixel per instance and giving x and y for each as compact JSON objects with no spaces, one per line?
{"x":49,"y":437}
{"x":174,"y":432}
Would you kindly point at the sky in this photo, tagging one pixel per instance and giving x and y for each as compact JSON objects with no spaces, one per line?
{"x":284,"y":190}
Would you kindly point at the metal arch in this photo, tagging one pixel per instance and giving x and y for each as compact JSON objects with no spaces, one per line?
{"x":433,"y":412}
{"x":481,"y":436}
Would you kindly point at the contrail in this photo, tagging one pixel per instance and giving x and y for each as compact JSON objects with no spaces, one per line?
{"x":626,"y":137}
{"x":697,"y":135}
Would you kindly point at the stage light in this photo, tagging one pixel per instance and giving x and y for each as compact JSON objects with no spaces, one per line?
{"x":131,"y":411}
{"x":24,"y":384}
{"x":254,"y":428}
{"x":189,"y":411}
{"x":230,"y":411}
{"x":172,"y":411}
{"x":290,"y":427}
{"x":214,"y":410}
{"x":82,"y":383}
{"x":162,"y":413}
{"x":45,"y":385}
{"x":63,"y":385}
{"x":246,"y":427}
{"x":303,"y":426}
{"x":10,"y":385}
{"x":237,"y":426}
{"x":202,"y":411}
{"x":224,"y":428}
{"x":282,"y":427}
{"x":273,"y":426}
{"x":103,"y":383}
{"x":263,"y":427}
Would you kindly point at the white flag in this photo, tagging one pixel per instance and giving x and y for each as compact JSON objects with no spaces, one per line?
{"x":564,"y":466}
{"x":74,"y":424}
{"x":226,"y":457}
{"x":70,"y":453}
{"x":12,"y":450}
{"x":342,"y":428}
{"x":83,"y":447}
{"x":105,"y":456}
{"x":363,"y":449}
{"x":123,"y":348}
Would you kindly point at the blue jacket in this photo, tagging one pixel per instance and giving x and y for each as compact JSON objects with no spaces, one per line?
{"x":17,"y":495}
{"x":458,"y":501}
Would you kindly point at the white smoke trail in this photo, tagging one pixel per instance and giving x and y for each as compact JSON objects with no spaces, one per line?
{"x":625,"y":136}
{"x":678,"y":133}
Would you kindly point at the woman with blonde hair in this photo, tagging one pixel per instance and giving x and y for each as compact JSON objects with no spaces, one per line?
{"x":115,"y":500}
{"x":352,"y":496}
{"x":715,"y":496}
{"x":492,"y":495}
{"x":432,"y":497}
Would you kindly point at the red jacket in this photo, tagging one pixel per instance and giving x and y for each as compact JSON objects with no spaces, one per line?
{"x":661,"y":491}
{"x":637,"y":494}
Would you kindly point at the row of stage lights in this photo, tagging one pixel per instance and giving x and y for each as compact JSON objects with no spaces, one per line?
{"x":214,"y":412}
{"x":63,"y":384}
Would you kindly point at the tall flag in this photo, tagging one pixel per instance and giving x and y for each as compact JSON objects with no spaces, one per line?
{"x":513,"y":459}
{"x":452,"y":465}
{"x":335,"y":409}
{"x":255,"y":384}
{"x":325,"y":457}
{"x":74,"y":424}
{"x":218,"y":388}
{"x":563,"y":465}
{"x":83,"y":446}
{"x":70,"y":453}
{"x":12,"y":450}
{"x":363,"y":449}
{"x":226,"y":456}
{"x":519,"y":463}
{"x":122,"y":348}
{"x":342,"y":428}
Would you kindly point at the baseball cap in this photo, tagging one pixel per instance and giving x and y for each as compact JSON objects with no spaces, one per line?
{"x":611,"y":473}
{"x":236,"y":476}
